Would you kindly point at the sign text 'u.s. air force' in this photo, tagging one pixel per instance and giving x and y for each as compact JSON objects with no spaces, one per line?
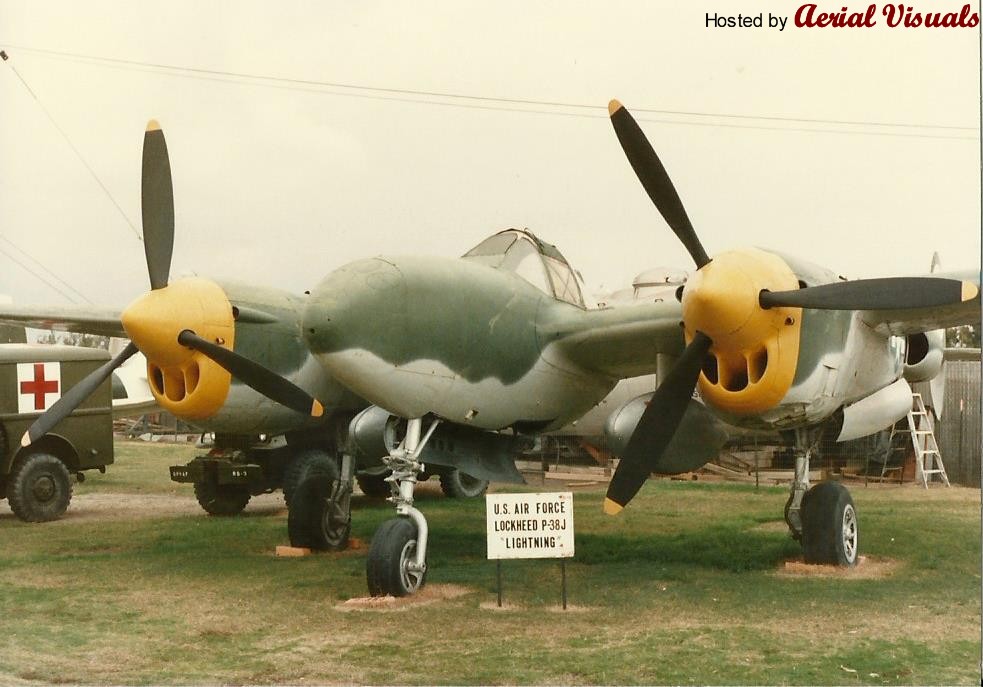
{"x":529,"y":525}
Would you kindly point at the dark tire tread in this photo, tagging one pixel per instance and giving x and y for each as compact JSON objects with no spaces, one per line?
{"x":26,"y":471}
{"x":221,"y":499}
{"x":382,"y":566}
{"x":307,"y":462}
{"x":458,"y":485}
{"x":822,"y":524}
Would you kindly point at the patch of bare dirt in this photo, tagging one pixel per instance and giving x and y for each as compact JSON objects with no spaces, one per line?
{"x":571,"y":608}
{"x":430,"y":594}
{"x":867,"y":568}
{"x":493,"y":606}
{"x":102,"y":506}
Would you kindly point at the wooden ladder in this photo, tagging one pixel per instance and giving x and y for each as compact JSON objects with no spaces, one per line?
{"x":918,"y":427}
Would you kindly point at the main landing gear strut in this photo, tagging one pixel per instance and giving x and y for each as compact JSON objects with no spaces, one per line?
{"x":397,"y":560}
{"x":822,"y":518}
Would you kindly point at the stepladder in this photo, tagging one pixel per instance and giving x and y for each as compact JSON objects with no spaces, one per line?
{"x":916,"y":432}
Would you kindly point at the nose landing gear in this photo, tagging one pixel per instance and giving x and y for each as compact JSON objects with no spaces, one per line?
{"x":397,"y":560}
{"x":822,"y":518}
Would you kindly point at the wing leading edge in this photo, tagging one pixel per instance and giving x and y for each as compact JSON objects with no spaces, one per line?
{"x":81,"y":319}
{"x":618,"y":342}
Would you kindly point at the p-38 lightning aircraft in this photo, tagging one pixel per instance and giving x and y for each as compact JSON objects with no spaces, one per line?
{"x":476,"y":350}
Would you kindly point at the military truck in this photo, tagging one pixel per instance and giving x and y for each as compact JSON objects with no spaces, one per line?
{"x":37,"y":480}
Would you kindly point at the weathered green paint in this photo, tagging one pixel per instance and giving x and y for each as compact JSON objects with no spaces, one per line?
{"x":86,"y":435}
{"x":278,"y":344}
{"x":477,"y":321}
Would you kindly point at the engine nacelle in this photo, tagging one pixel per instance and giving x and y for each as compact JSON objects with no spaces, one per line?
{"x":373,"y":434}
{"x":697,"y":439}
{"x":923,"y":355}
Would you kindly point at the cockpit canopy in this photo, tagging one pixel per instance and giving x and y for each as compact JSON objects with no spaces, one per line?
{"x":540,"y":264}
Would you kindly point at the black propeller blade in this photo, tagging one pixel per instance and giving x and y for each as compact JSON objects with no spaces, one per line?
{"x":655,"y":180}
{"x":71,"y":400}
{"x":657,"y":425}
{"x":889,"y":293}
{"x":157,"y":200}
{"x":254,"y":375}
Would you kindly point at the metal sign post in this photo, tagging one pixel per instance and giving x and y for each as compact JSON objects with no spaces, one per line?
{"x":530,"y":526}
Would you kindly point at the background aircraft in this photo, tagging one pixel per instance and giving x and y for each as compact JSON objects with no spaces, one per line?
{"x":451,"y":352}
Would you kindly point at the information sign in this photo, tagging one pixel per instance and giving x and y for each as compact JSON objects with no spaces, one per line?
{"x":529,"y":525}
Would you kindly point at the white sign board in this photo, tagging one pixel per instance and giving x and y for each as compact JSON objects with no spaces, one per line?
{"x":529,"y":525}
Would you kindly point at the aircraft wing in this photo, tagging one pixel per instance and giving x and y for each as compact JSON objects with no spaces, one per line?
{"x":912,"y":321}
{"x":620,"y":342}
{"x":84,"y":319}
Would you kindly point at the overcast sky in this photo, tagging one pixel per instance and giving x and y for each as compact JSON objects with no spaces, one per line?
{"x":279,"y":182}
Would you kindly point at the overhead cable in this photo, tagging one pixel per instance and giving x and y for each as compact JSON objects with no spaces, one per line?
{"x":471,"y":101}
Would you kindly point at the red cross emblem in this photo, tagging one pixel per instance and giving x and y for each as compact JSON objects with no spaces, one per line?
{"x":39,"y":385}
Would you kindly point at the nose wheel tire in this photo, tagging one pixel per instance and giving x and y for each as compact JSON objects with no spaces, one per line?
{"x":458,"y":485}
{"x":389,"y":567}
{"x":39,"y":488}
{"x":830,"y":529}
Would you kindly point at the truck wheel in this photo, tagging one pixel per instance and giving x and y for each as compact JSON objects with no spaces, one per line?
{"x":830,"y":531}
{"x":221,"y":499}
{"x":319,"y":517}
{"x":39,"y":488}
{"x":387,"y":566}
{"x":311,"y":461}
{"x":458,"y":485}
{"x":374,"y":486}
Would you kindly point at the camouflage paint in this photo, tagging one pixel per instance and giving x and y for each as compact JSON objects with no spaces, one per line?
{"x":474,"y":344}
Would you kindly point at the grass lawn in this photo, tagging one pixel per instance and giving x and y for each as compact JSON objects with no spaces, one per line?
{"x":687,"y":586}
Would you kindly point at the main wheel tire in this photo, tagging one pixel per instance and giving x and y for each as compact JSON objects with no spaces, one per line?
{"x":312,"y":461}
{"x":830,"y":529}
{"x":374,"y":486}
{"x":459,"y":485}
{"x":315,"y":520}
{"x":39,"y":488}
{"x":221,"y":499}
{"x":386,"y":568}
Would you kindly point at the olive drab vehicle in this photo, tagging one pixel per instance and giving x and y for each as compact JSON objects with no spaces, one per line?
{"x":37,"y":479}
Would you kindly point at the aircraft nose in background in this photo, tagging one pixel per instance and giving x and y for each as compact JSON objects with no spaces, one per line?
{"x":356,"y":306}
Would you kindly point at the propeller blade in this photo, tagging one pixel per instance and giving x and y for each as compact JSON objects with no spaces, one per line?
{"x":157,"y":200}
{"x":254,"y":375}
{"x":71,"y":400}
{"x":889,"y":293}
{"x":657,"y":425}
{"x":655,"y":180}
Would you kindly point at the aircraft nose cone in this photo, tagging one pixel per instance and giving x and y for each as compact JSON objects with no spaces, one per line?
{"x":154,"y":320}
{"x":357,"y":307}
{"x":719,"y":299}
